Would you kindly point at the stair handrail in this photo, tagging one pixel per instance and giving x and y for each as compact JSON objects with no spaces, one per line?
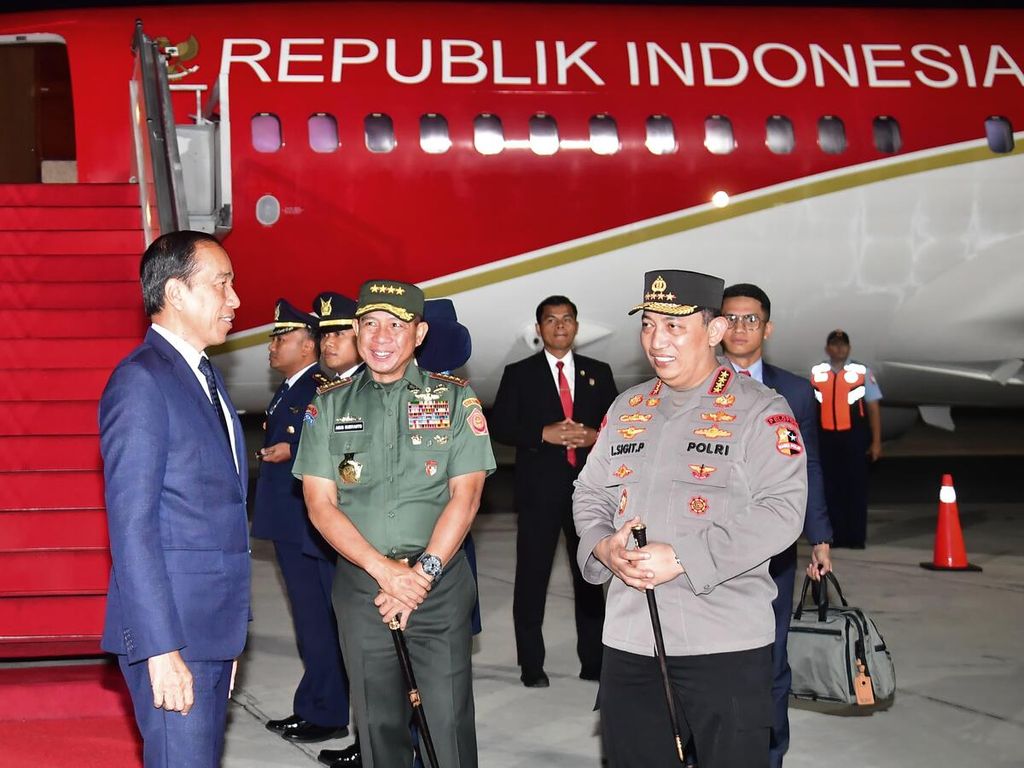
{"x":158,"y":164}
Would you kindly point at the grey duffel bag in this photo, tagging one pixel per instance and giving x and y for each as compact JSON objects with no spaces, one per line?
{"x":836,"y":652}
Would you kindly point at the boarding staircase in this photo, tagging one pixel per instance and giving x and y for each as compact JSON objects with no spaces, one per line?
{"x":70,"y":308}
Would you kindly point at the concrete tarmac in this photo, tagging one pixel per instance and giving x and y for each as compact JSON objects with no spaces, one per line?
{"x":957,"y":639}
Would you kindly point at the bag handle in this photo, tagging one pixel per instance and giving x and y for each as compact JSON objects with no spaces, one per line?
{"x":819,"y":596}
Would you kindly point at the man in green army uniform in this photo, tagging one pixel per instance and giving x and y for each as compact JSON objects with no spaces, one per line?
{"x":393,"y":462}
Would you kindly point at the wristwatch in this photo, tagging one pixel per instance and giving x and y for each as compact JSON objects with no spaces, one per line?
{"x":431,"y":565}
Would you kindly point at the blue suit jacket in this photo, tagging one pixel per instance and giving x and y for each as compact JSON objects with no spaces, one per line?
{"x":279,"y":511}
{"x":800,"y":396}
{"x":175,"y":510}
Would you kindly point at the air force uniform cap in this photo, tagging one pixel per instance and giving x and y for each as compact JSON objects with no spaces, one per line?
{"x":287,"y":319}
{"x":679,"y":292}
{"x":335,"y":310}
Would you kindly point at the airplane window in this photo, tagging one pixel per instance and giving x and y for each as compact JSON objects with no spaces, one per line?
{"x":661,"y":135}
{"x":380,"y":133}
{"x":887,"y":134}
{"x":718,"y":137}
{"x":999,"y":133}
{"x":543,"y":134}
{"x":266,"y":132}
{"x":488,"y":135}
{"x":831,"y":135}
{"x":779,"y":136}
{"x":604,"y":135}
{"x":323,"y":132}
{"x":434,"y":138}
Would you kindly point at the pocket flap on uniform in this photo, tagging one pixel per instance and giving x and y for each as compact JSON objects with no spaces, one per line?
{"x":194,"y":560}
{"x":349,"y":443}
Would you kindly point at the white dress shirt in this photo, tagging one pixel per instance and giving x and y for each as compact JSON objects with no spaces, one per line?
{"x":569,"y":369}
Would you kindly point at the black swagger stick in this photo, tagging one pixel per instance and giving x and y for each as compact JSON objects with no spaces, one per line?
{"x":414,"y":693}
{"x":640,"y":537}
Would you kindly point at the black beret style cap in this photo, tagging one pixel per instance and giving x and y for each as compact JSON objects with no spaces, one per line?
{"x":335,"y":310}
{"x":403,"y":300}
{"x":838,"y":335}
{"x":679,"y":292}
{"x":287,"y":318}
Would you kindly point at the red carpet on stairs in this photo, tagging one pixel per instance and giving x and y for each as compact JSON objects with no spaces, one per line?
{"x":69,"y":716}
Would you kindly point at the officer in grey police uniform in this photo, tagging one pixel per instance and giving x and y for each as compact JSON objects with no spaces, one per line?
{"x":393,"y":462}
{"x":712,"y":462}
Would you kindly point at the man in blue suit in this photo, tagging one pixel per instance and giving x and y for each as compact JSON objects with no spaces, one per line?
{"x":175,"y":472}
{"x":320,"y":704}
{"x":748,"y":310}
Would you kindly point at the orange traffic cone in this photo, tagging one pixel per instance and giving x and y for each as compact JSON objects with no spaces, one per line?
{"x":950,"y":553}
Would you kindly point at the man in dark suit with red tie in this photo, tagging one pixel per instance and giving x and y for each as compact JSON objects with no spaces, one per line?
{"x":550,"y":406}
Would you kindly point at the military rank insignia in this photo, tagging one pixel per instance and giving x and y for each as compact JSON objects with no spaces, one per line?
{"x":699,"y":506}
{"x":350,"y":470}
{"x":635,"y":400}
{"x":623,"y":471}
{"x":702,"y":471}
{"x":725,"y":401}
{"x":640,"y":417}
{"x":630,"y":432}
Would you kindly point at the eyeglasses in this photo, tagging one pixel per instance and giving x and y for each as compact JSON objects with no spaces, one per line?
{"x":750,"y":322}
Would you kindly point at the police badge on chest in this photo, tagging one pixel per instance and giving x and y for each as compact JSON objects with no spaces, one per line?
{"x":350,"y":470}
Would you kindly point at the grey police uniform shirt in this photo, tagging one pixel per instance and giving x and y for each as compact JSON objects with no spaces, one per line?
{"x":719,"y":473}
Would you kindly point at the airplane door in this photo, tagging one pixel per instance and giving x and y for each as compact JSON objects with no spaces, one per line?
{"x":36,"y":111}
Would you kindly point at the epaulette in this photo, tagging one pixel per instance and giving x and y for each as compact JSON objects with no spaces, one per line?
{"x":321,"y":379}
{"x":329,"y":387}
{"x":450,"y":379}
{"x":721,"y":382}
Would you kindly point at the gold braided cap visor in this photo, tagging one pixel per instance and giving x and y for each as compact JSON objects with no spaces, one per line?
{"x":342,"y":322}
{"x":662,"y":308}
{"x":400,"y":312}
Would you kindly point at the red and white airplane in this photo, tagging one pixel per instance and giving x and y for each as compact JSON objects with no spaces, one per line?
{"x":863,"y":166}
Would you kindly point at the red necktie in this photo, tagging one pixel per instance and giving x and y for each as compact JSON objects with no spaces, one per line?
{"x":744,"y":372}
{"x":566,"y":397}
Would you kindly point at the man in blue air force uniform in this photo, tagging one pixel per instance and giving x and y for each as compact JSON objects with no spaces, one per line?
{"x":320,"y":706}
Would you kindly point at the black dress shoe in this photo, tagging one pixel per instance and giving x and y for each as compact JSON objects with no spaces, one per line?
{"x":349,"y":757}
{"x":310,"y":733}
{"x":590,"y":673}
{"x":277,"y":726}
{"x":534,"y":678}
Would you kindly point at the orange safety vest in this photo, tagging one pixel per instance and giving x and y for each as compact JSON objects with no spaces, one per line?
{"x":838,"y":394}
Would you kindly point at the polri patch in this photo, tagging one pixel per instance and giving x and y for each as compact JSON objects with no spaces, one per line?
{"x":699,"y":506}
{"x":787,"y":442}
{"x":780,"y":418}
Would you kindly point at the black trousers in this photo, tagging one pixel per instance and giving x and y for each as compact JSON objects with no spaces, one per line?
{"x":543,"y":515}
{"x":844,"y":465}
{"x":723,"y":700}
{"x":783,"y":570}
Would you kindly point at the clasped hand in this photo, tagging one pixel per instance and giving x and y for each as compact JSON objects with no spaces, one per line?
{"x":569,"y":434}
{"x":402,"y":590}
{"x":643,"y":568}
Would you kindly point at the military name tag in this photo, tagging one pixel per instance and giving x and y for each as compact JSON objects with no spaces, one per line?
{"x":348,"y":424}
{"x":433,"y":415}
{"x":350,"y":470}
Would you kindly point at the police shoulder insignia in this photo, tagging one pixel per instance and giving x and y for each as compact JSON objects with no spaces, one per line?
{"x":722,"y":378}
{"x":780,"y":418}
{"x":330,"y":387}
{"x":449,"y":378}
{"x":787,"y":441}
{"x":635,"y":400}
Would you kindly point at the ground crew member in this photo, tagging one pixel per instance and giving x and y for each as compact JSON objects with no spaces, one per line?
{"x":320,"y":705}
{"x":712,"y":462}
{"x":393,"y":462}
{"x":748,"y":311}
{"x":851,"y":434}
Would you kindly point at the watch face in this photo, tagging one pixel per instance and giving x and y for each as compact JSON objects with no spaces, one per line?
{"x":431,"y":565}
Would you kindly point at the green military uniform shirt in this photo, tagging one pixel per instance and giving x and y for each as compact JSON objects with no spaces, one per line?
{"x":391,"y":449}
